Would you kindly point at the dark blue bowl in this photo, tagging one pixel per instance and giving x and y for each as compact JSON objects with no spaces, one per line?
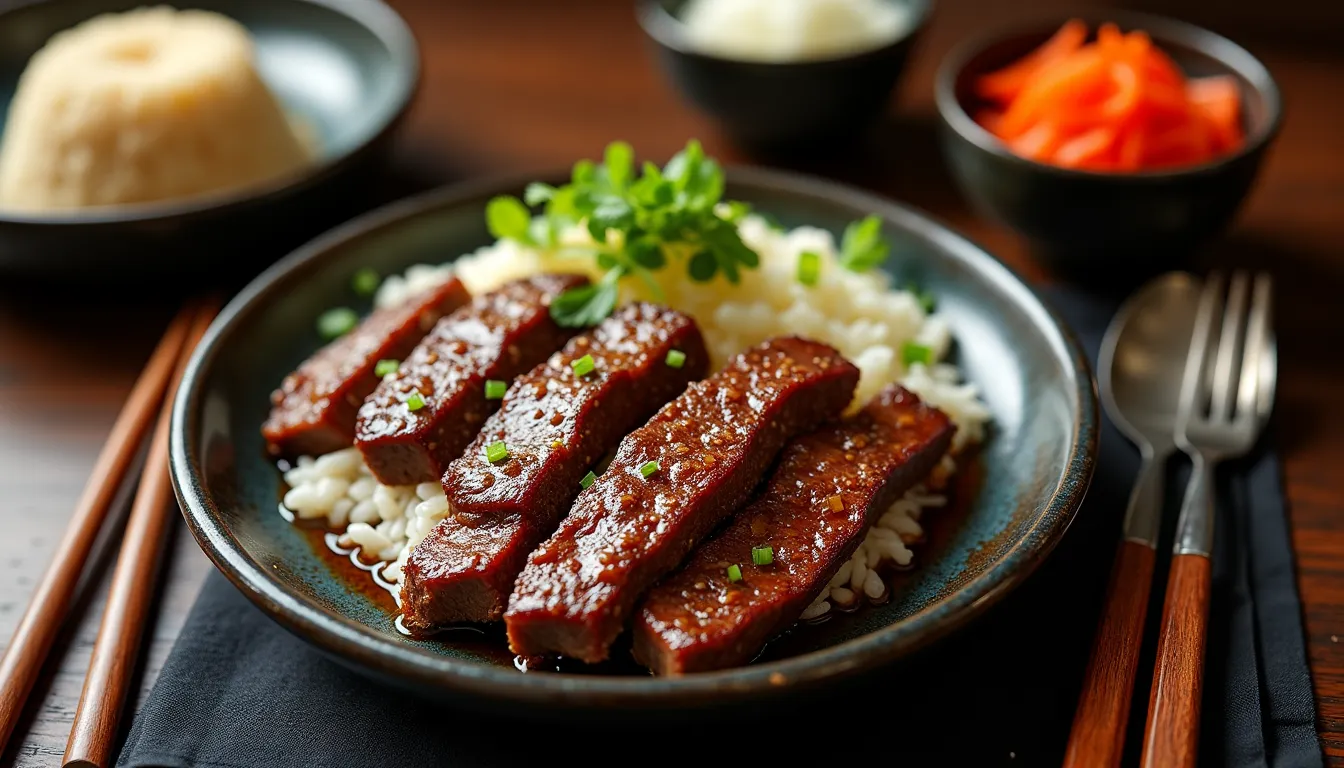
{"x":782,"y":105}
{"x":1032,"y":471}
{"x":1106,"y":226}
{"x":348,"y":68}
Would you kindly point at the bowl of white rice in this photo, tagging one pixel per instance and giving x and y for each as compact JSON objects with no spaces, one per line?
{"x":318,"y":543}
{"x":140,"y":140}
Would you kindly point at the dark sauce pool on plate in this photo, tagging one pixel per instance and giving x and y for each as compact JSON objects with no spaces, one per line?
{"x":489,"y":641}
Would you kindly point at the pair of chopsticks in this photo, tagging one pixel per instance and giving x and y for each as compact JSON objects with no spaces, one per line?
{"x":93,"y":734}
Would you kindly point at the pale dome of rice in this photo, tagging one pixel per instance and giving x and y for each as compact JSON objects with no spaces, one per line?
{"x":148,"y":105}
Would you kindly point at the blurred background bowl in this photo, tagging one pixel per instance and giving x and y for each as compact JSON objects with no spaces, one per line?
{"x":782,"y":105}
{"x":1105,"y":226}
{"x":348,"y":68}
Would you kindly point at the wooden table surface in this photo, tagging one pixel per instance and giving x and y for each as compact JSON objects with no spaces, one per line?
{"x":512,"y":85}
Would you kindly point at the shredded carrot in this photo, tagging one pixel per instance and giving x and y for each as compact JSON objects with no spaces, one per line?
{"x":1006,"y":83}
{"x":1118,"y":103}
{"x":1217,"y":100}
{"x":1038,"y":142}
{"x":1094,"y":148}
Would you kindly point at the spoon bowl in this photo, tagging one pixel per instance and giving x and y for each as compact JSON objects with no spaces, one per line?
{"x":1144,"y":356}
{"x":1142,"y":364}
{"x":1143,"y":359}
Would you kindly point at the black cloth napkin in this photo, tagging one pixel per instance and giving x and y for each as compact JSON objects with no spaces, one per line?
{"x":238,"y":691}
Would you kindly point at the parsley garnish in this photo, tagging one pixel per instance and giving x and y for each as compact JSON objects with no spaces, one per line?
{"x":639,"y":218}
{"x":642,"y":218}
{"x":862,"y":246}
{"x":506,"y":217}
{"x":588,"y":304}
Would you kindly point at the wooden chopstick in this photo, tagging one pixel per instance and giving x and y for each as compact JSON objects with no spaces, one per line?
{"x":37,"y":629}
{"x":94,"y":732}
{"x":1097,"y":739}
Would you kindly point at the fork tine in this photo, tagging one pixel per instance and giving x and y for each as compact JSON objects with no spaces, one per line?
{"x":1257,"y":339}
{"x":1225,"y":370}
{"x":1196,"y":361}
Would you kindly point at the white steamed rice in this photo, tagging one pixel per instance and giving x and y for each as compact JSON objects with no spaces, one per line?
{"x":861,"y":315}
{"x":148,"y":105}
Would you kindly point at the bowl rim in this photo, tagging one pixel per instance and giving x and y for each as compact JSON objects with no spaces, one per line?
{"x":368,"y":648}
{"x":378,"y":18}
{"x":1161,"y":29}
{"x":670,"y":32}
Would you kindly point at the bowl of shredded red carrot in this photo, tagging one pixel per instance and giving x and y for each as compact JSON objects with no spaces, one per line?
{"x":1118,"y":133}
{"x":1117,"y":103}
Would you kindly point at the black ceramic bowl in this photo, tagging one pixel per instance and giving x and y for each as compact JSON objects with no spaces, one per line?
{"x":348,"y":68}
{"x":772,"y":105}
{"x":1102,"y":223}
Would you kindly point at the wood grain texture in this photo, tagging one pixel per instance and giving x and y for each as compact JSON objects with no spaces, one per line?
{"x":46,"y":610}
{"x":513,"y":85}
{"x":93,"y":735}
{"x":1171,"y":736}
{"x":1097,"y":739}
{"x":77,"y":392}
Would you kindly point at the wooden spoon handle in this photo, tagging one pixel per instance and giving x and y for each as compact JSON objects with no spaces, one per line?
{"x":1098,"y":736}
{"x":1172,"y":736}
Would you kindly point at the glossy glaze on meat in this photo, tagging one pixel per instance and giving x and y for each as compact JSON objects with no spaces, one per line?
{"x":713,"y":445}
{"x":313,"y":411}
{"x":500,"y":335}
{"x":830,"y":486}
{"x":557,"y":426}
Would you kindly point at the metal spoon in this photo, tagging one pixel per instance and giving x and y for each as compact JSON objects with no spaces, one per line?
{"x":1143,"y":358}
{"x":1222,"y":413}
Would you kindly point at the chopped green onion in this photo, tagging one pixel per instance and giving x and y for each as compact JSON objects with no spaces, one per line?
{"x":583,"y":366}
{"x":337,"y":322}
{"x":762,"y":555}
{"x":384,"y":367}
{"x":494,"y":390}
{"x":734,"y":573}
{"x":365,"y":282}
{"x":809,"y":268}
{"x":496,"y":451}
{"x":648,"y":468}
{"x":912,"y":353}
{"x":587,"y":480}
{"x":676,"y":358}
{"x":415,"y":402}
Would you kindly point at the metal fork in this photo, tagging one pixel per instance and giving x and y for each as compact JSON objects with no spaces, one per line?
{"x":1226,"y":394}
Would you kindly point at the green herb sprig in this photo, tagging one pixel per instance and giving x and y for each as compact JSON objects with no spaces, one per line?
{"x":639,"y":219}
{"x":862,"y":246}
{"x":642,"y":219}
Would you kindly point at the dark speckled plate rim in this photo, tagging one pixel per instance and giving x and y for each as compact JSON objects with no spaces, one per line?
{"x":380,"y":19}
{"x":368,"y":648}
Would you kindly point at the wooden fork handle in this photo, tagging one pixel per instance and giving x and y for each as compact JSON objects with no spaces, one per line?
{"x":1171,"y":739}
{"x":1098,"y":736}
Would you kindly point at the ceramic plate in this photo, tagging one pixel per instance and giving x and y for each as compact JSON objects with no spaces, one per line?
{"x":1012,"y":504}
